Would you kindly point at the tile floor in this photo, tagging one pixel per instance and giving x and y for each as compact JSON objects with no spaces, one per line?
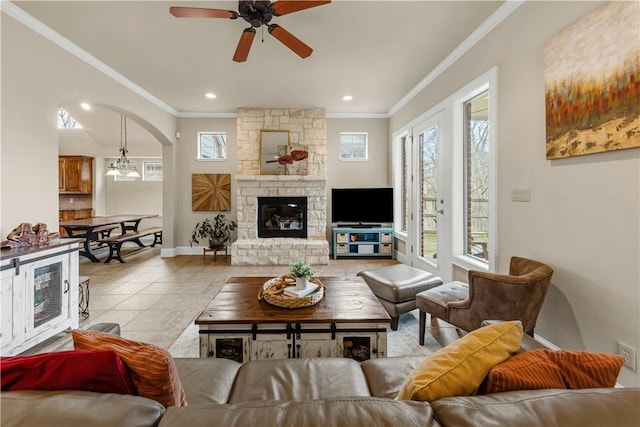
{"x":155,"y":299}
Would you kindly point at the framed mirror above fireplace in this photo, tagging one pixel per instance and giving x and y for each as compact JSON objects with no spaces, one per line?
{"x":274,"y":144}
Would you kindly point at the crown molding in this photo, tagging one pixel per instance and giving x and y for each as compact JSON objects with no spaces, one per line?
{"x":48,"y":33}
{"x":198,"y":115}
{"x":507,"y":8}
{"x":357,"y":116}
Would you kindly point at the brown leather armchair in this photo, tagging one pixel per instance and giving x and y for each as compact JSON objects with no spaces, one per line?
{"x":489,"y":296}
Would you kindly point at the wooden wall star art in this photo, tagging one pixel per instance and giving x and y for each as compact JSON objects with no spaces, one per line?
{"x":210,"y":192}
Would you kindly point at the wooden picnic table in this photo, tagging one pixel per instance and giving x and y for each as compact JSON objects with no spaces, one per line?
{"x":86,"y":228}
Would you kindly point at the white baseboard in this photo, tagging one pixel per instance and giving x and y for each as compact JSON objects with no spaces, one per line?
{"x":181,"y":250}
{"x":545,"y":342}
{"x":168,"y":252}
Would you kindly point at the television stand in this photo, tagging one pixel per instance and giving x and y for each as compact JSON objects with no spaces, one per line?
{"x":363,"y":240}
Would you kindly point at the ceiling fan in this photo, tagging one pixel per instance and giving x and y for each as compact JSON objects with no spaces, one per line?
{"x":257,"y":13}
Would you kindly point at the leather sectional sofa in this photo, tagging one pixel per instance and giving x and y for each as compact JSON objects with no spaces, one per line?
{"x":316,"y":392}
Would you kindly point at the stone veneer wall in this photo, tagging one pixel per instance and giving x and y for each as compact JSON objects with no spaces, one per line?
{"x":307,"y":127}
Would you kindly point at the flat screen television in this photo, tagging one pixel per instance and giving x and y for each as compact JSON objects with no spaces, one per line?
{"x":361,"y":206}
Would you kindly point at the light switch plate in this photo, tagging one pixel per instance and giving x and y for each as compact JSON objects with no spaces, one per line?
{"x":520,"y":194}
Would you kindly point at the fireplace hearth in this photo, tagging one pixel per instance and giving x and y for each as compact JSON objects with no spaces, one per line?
{"x":282,"y":217}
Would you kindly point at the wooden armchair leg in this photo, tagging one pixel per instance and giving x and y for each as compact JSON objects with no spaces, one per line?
{"x":423,"y":321}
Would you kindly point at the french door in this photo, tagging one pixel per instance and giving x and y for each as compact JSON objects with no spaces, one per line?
{"x":428,"y":229}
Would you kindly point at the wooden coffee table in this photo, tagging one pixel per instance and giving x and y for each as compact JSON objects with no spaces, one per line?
{"x":349,"y":321}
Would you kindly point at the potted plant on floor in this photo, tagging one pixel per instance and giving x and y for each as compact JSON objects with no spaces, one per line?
{"x":302,"y":272}
{"x":216,"y":232}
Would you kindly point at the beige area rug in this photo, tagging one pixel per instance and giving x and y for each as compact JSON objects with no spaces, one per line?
{"x":403,"y":342}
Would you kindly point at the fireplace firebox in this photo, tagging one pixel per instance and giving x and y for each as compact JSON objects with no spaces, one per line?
{"x":282,"y":217}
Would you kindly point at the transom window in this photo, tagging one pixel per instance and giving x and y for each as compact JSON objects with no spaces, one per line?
{"x":65,"y":121}
{"x":212,"y":146}
{"x":353,"y":146}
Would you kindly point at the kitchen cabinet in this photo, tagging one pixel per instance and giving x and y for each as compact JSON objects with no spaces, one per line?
{"x":70,"y":215}
{"x":75,"y":174}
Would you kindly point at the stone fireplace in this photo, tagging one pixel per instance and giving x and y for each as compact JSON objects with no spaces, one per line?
{"x":307,"y":127}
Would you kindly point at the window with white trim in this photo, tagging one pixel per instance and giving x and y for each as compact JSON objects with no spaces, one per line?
{"x":212,"y":146}
{"x":353,"y":146}
{"x":476,"y":186}
{"x":475,"y":230}
{"x":152,"y":171}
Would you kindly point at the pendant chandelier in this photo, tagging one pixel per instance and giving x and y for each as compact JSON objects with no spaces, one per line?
{"x":123,"y":166}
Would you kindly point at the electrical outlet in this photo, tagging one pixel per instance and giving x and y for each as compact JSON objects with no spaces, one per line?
{"x":629,"y":354}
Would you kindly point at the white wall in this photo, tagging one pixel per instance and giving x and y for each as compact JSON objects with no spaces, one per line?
{"x":374,"y":172}
{"x":188,"y":164}
{"x":36,"y":77}
{"x":583,"y":218}
{"x":134,"y":197}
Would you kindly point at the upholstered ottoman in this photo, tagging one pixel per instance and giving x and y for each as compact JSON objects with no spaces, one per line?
{"x":396,"y":287}
{"x":435,"y":302}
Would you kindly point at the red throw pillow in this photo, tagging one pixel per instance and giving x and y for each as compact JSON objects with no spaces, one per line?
{"x":100,"y":371}
{"x":542,"y":368}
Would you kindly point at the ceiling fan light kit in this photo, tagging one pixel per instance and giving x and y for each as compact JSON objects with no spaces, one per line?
{"x":257,"y":13}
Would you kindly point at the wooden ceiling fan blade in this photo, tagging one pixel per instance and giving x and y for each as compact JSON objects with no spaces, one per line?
{"x":290,"y":41}
{"x":199,"y":12}
{"x":244,"y":45}
{"x":283,"y":7}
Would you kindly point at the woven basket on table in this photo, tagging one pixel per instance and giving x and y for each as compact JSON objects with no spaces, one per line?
{"x":272,"y":292}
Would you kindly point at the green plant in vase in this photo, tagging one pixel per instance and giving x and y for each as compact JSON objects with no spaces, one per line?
{"x":302,"y":272}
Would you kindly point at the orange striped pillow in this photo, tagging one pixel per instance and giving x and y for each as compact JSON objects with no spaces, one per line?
{"x":542,"y":368}
{"x":153,"y":371}
{"x":583,"y":369}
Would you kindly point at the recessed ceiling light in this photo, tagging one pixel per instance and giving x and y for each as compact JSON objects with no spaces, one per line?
{"x":85,"y":106}
{"x":210,"y":95}
{"x":347,"y":98}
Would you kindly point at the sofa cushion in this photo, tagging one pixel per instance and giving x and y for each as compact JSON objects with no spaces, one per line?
{"x":99,"y":371}
{"x":77,"y":408}
{"x":339,"y":412}
{"x":385,"y":375}
{"x":153,"y":370}
{"x":207,"y":380}
{"x":542,"y":368}
{"x":459,"y":368}
{"x":299,"y":379}
{"x":550,"y":408}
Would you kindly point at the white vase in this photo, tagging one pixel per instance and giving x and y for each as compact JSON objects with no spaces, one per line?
{"x":301,"y":282}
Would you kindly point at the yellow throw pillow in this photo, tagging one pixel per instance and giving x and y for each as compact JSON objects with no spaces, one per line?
{"x":153,"y":371}
{"x":459,"y":368}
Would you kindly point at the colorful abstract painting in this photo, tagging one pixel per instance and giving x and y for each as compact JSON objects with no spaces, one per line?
{"x":592,"y":83}
{"x":210,"y":192}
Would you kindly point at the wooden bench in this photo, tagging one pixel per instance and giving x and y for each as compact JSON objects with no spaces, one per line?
{"x":115,"y":242}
